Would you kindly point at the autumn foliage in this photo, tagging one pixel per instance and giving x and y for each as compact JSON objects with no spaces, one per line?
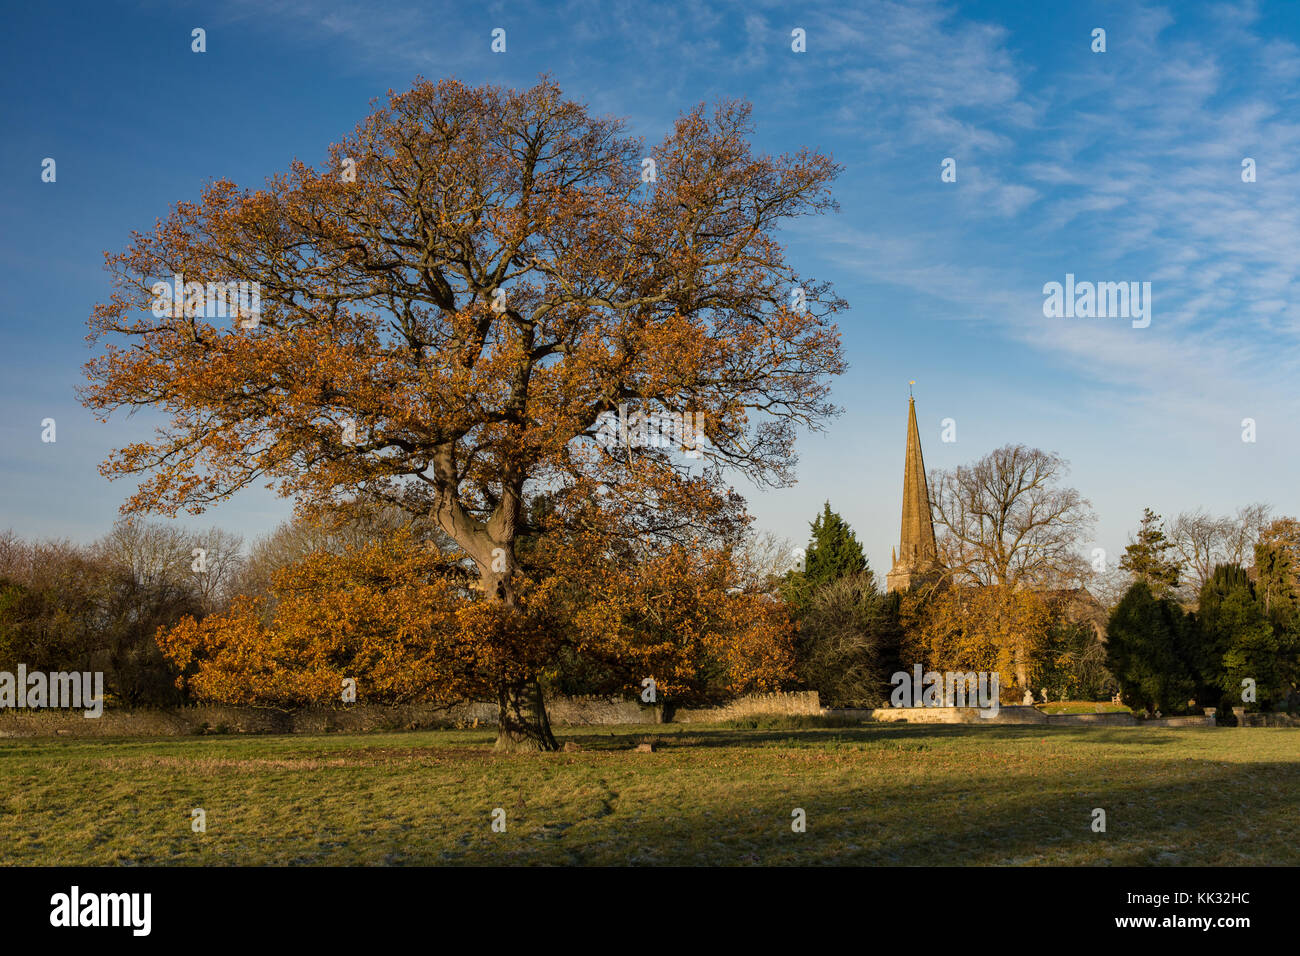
{"x":450,"y":304}
{"x":995,"y":629}
{"x":672,"y":619}
{"x":388,"y":616}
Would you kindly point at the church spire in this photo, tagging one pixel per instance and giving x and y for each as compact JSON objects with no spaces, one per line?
{"x":917,"y":553}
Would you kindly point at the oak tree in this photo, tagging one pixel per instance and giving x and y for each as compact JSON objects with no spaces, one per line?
{"x":451,"y":308}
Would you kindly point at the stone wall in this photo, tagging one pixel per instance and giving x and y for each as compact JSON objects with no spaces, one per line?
{"x":563,"y":712}
{"x":1268,"y":720}
{"x":584,"y":711}
{"x":143,"y":723}
{"x":1008,"y":714}
{"x":957,"y":715}
{"x":798,"y":704}
{"x":1112,"y":718}
{"x":1179,"y":722}
{"x":361,"y":718}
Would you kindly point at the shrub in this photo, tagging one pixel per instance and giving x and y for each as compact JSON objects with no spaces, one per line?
{"x":847,"y":642}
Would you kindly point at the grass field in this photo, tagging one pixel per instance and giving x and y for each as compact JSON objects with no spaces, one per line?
{"x":875,"y":795}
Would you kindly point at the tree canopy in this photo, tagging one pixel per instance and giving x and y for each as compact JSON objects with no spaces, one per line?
{"x":1008,"y":520}
{"x":451,"y":307}
{"x":1152,"y":557}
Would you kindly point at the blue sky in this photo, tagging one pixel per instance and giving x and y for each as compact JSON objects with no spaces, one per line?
{"x":1115,"y":166}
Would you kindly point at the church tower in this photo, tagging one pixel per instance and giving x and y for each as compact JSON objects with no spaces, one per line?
{"x":917,"y":555}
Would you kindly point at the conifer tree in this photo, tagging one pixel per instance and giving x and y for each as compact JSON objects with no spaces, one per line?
{"x":1146,"y":650}
{"x":1277,"y":570}
{"x":849,"y":630}
{"x":1277,"y":586}
{"x":833,"y":551}
{"x":1220,"y":608}
{"x":1148,"y":559}
{"x":1238,"y":644}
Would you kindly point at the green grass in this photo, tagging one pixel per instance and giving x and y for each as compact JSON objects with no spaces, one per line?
{"x":875,"y":794}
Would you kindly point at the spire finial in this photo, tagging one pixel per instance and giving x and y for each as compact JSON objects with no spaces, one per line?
{"x":909,"y":387}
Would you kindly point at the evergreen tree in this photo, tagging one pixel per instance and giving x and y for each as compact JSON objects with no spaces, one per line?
{"x":1146,"y":650}
{"x":1147,"y":559}
{"x":1209,"y":640}
{"x":1221,"y":609}
{"x":833,"y":551}
{"x":1277,"y":570}
{"x":848,"y":630}
{"x":1253,"y":658}
{"x":1277,"y":573}
{"x":1237,"y":642}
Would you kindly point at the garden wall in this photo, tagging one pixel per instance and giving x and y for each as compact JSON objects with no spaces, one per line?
{"x":1268,"y":720}
{"x":1179,"y":722}
{"x":957,"y":715}
{"x":798,"y":704}
{"x":215,"y":718}
{"x":563,"y":712}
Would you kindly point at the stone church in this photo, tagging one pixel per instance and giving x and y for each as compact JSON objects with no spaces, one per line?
{"x":917,"y":556}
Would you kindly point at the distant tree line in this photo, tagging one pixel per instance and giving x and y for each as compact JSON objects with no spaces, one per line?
{"x":366,"y":593}
{"x":98,"y":607}
{"x":1207,"y":611}
{"x":1238,"y":645}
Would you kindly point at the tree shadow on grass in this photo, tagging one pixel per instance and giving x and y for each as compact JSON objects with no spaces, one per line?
{"x":1146,"y":823}
{"x":690,"y":737}
{"x":1198,"y":818}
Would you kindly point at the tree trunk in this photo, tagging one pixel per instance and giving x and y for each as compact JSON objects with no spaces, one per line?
{"x":522,"y":722}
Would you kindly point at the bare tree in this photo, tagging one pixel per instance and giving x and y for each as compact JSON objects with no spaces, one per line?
{"x":222,"y":559}
{"x":1196,"y":536}
{"x":762,"y":558}
{"x":151,"y":553}
{"x":1243,"y":532}
{"x":12,"y":552}
{"x":1108,"y":586}
{"x":1007,"y":520}
{"x":154,"y":555}
{"x":1203,"y":541}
